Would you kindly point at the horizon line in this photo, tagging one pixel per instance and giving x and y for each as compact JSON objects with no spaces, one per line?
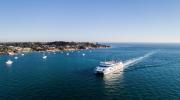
{"x":96,"y":42}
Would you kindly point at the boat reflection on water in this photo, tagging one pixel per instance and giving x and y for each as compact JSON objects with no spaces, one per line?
{"x":111,"y":78}
{"x":112,"y":83}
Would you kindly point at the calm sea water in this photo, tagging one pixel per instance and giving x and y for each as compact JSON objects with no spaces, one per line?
{"x":152,"y":72}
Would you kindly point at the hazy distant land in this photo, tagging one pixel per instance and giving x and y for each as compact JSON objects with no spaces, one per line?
{"x":17,"y":47}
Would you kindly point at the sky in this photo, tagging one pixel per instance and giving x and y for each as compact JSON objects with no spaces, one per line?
{"x":90,"y":20}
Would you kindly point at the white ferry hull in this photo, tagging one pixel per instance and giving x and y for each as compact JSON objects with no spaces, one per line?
{"x":104,"y":71}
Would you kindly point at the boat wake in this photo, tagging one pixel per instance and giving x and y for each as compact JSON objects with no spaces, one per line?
{"x":134,"y":61}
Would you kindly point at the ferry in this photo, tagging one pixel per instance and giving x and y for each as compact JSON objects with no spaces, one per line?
{"x":108,"y":67}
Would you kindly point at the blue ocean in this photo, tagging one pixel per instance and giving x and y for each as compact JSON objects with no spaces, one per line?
{"x":151,"y":72}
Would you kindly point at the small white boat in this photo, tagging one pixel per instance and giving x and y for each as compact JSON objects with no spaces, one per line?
{"x":22,"y":54}
{"x":9,"y":62}
{"x":44,"y":57}
{"x":11,"y":53}
{"x":83,"y":54}
{"x":67,"y":54}
{"x":15,"y":57}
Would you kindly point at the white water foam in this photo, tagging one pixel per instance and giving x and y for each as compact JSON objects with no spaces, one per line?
{"x":134,"y":61}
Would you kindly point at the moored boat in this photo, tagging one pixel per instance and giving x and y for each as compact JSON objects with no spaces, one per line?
{"x":9,"y":62}
{"x":44,"y":57}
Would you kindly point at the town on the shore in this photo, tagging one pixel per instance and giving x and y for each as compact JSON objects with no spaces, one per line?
{"x":12,"y":48}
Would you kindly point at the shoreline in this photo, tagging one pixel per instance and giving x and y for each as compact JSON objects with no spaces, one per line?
{"x":13,"y":48}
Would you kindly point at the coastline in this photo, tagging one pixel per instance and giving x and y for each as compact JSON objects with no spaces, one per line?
{"x":13,"y":48}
